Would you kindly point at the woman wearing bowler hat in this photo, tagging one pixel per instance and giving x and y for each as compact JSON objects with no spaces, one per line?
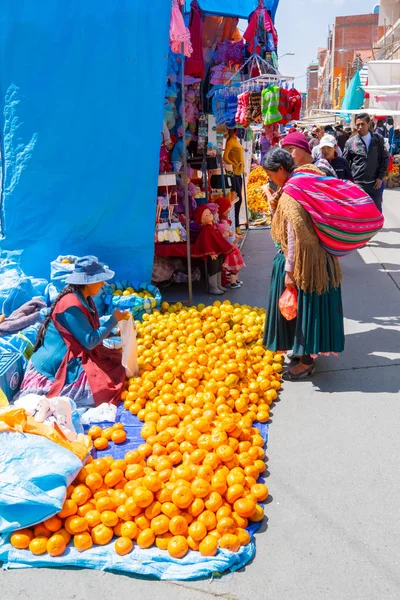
{"x":69,"y":357}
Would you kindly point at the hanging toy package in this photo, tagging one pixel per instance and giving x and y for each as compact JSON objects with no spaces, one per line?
{"x":288,"y":304}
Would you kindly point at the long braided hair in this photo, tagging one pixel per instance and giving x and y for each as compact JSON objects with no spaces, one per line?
{"x":69,"y":289}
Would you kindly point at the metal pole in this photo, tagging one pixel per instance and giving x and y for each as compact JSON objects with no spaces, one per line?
{"x":184,"y":125}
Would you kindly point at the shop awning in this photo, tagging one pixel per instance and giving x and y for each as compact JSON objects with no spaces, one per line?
{"x":232,"y":8}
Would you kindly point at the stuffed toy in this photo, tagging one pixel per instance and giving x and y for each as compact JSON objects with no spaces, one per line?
{"x":170,"y":112}
{"x":191,"y":110}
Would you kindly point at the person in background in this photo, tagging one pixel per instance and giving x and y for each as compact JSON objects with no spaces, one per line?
{"x":341,"y":137}
{"x":381,"y":128}
{"x":329,"y":148}
{"x":368,"y":159}
{"x":303,"y":264}
{"x":178,"y":150}
{"x":234,"y":155}
{"x":316,"y":133}
{"x":395,"y":142}
{"x":297,"y":145}
{"x":69,"y":358}
{"x":316,"y":151}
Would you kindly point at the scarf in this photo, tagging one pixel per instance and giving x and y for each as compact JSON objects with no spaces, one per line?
{"x":344,"y":217}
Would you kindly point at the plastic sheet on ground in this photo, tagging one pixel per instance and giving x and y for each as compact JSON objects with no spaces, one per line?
{"x":152,"y":563}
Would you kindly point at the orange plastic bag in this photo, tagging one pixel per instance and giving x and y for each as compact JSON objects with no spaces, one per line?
{"x":16,"y":419}
{"x":288,"y":304}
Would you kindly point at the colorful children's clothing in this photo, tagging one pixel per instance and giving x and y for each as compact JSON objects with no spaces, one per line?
{"x":254,"y":109}
{"x":284,"y":106}
{"x":194,"y":66}
{"x":178,"y":33}
{"x":295,"y":104}
{"x":231,"y":108}
{"x":269,"y":105}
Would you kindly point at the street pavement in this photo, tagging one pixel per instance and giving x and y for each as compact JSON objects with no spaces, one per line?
{"x":332,"y":529}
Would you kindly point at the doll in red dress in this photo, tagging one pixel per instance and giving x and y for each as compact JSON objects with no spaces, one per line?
{"x":233,"y":262}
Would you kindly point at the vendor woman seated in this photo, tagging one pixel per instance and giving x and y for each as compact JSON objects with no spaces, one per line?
{"x":69,"y":357}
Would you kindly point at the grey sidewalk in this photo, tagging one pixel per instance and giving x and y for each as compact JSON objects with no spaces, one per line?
{"x":333,"y":528}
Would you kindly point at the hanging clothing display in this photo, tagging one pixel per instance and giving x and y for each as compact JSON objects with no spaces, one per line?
{"x":270,"y":104}
{"x":194,"y":65}
{"x":261,"y":27}
{"x":295,"y":104}
{"x":178,"y":33}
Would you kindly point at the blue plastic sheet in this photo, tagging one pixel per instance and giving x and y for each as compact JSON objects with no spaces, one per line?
{"x":34,"y":475}
{"x":233,"y":8}
{"x":81,"y":112}
{"x":148,"y":563}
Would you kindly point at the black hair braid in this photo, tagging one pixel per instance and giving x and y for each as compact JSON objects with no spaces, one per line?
{"x":43,"y":328}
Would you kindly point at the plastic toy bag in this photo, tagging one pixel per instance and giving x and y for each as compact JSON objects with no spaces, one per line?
{"x":288,"y":304}
{"x":129,"y":347}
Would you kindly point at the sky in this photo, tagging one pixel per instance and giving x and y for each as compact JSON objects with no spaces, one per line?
{"x":303,"y":27}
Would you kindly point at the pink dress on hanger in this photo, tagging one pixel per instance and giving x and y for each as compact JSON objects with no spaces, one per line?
{"x":178,"y":32}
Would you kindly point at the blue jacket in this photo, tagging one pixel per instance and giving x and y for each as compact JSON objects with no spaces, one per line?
{"x":48,"y":358}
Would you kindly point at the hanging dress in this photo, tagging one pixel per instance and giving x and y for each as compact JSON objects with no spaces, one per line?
{"x":178,"y":32}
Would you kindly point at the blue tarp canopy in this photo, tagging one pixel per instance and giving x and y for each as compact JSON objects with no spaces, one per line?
{"x":233,"y":8}
{"x":81,"y":109}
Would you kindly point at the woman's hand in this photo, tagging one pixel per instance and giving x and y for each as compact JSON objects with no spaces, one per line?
{"x":290,"y":281}
{"x":120,"y":315}
{"x":274,"y":200}
{"x":214,"y":256}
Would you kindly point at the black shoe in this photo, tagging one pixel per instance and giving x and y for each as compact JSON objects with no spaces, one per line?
{"x":235,"y":286}
{"x":288,"y":376}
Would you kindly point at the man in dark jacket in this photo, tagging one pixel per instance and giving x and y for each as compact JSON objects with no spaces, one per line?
{"x":368,"y":159}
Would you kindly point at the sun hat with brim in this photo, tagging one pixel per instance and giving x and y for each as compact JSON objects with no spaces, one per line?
{"x":328,"y":140}
{"x":88,"y":270}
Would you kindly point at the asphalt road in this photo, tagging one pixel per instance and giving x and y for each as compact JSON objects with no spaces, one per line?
{"x":333,"y":528}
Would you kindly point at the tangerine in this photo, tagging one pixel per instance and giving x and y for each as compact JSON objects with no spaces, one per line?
{"x":83,"y":541}
{"x":69,"y":508}
{"x":21,"y":539}
{"x":230,"y":542}
{"x":38,"y":545}
{"x":102,"y":534}
{"x":56,"y":545}
{"x":178,"y":525}
{"x":129,"y":529}
{"x":178,"y":546}
{"x":197,"y":531}
{"x":118,"y":436}
{"x":208,"y":546}
{"x":100,"y":443}
{"x":146,"y":538}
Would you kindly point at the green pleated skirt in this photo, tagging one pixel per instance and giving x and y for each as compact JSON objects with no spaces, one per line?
{"x":318,"y":327}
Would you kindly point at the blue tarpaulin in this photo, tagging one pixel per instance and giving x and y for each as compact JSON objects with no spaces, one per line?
{"x":232,"y":8}
{"x":81,"y":109}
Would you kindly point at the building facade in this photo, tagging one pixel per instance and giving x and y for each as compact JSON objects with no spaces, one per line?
{"x":388,"y":46}
{"x":351,"y":42}
{"x":312,"y":87}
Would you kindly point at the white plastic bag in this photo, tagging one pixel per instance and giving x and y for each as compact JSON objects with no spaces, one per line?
{"x":103,"y":412}
{"x":50,"y":410}
{"x":129,"y":347}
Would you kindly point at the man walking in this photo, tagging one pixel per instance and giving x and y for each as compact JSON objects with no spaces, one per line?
{"x":368,"y":159}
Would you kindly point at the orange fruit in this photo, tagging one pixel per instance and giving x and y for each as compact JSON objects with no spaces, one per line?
{"x":208,"y":518}
{"x":118,"y":436}
{"x":224,"y":511}
{"x":94,"y":481}
{"x":132,"y":508}
{"x":225,"y":452}
{"x":123,"y":545}
{"x":241,"y":522}
{"x":142,"y":496}
{"x":162,"y":540}
{"x":153,"y":510}
{"x":236,"y":476}
{"x":234,"y":492}
{"x":56,"y":545}
{"x":196,"y":507}
{"x":197,"y":531}
{"x":245,"y":507}
{"x":83,"y":541}
{"x":75,"y":525}
{"x":41,"y":531}
{"x":95,"y":432}
{"x":129,"y":530}
{"x":193,"y":545}
{"x":38,"y":545}
{"x":178,"y":525}
{"x":67,"y":537}
{"x":132,"y":457}
{"x":146,"y":538}
{"x":170,"y":509}
{"x":113,"y":477}
{"x":243,"y":535}
{"x":101,"y":466}
{"x":109,"y":518}
{"x":69,"y":508}
{"x":53,"y":524}
{"x":93,"y":518}
{"x":142,"y":522}
{"x":134,"y":471}
{"x":107,"y":432}
{"x":182,"y":496}
{"x":102,"y":535}
{"x":119,"y":497}
{"x":21,"y":539}
{"x":105,"y":503}
{"x":119,"y":426}
{"x":226,"y":525}
{"x":258,"y":514}
{"x":230,"y":542}
{"x":208,"y":546}
{"x":152,"y":483}
{"x":100,"y":443}
{"x":85,"y":508}
{"x":200,"y":488}
{"x":81,"y":494}
{"x":214,"y":501}
{"x":178,"y":546}
{"x":118,"y":464}
{"x":259,"y":491}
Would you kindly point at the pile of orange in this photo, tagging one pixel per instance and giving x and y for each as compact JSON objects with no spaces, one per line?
{"x":204,"y":380}
{"x":101,"y":437}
